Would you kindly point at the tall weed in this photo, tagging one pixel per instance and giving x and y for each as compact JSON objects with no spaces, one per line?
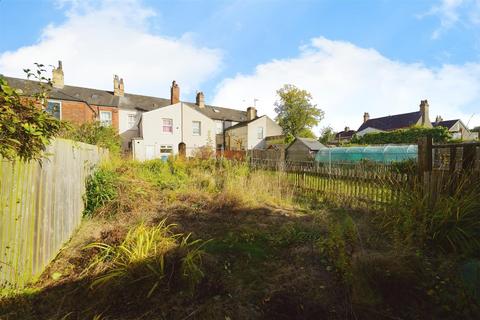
{"x":101,"y":187}
{"x":447,"y":221}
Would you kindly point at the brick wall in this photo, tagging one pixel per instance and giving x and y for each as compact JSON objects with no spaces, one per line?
{"x":79,"y":112}
{"x":114,"y":114}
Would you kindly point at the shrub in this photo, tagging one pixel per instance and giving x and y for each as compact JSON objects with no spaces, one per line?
{"x":26,"y":129}
{"x":101,"y":187}
{"x":402,"y":136}
{"x":94,"y":133}
{"x":204,"y":152}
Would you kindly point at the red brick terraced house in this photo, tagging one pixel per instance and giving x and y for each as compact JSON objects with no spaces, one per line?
{"x":76,"y":104}
{"x":125,"y":111}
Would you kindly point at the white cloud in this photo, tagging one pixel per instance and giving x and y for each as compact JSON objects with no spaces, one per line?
{"x":102,"y":38}
{"x":453,"y":12}
{"x":346,"y":81}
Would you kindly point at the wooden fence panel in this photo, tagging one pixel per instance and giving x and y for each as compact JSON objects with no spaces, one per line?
{"x":41,"y":206}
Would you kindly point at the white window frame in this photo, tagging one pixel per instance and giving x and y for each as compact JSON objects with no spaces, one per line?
{"x":130,"y":124}
{"x":164,"y":126}
{"x":60,"y":108}
{"x":259,"y":132}
{"x":218,"y":126}
{"x":168,"y":147}
{"x":106,"y":123}
{"x":199,"y":133}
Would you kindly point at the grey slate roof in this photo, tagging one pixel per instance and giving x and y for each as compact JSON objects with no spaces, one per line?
{"x":107,"y":98}
{"x":242,"y":124}
{"x":311,"y":143}
{"x":388,"y":123}
{"x":220,"y":113}
{"x":345,"y":134}
{"x":446,"y":123}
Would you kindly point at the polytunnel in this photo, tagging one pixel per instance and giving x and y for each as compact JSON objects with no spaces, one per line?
{"x":383,"y":154}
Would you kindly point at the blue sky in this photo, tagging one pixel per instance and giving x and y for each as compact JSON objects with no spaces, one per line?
{"x":353,"y":56}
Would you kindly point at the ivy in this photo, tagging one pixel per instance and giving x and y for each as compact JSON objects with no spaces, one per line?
{"x":404,"y":136}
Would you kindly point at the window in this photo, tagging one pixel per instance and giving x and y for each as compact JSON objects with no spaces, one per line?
{"x":106,"y":118}
{"x":166,"y":149}
{"x":196,"y":128}
{"x":259,"y":132}
{"x":167,"y":126}
{"x":54,"y":108}
{"x":219,"y":126}
{"x":131,"y":120}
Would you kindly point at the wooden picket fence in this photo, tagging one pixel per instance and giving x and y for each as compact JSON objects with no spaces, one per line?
{"x":368,"y":187}
{"x":441,"y":168}
{"x":41,"y":206}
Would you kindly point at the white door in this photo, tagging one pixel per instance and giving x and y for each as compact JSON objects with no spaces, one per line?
{"x":149,"y":152}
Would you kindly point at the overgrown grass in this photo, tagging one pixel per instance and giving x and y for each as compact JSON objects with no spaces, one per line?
{"x":142,"y":255}
{"x":447,"y":221}
{"x":407,"y":262}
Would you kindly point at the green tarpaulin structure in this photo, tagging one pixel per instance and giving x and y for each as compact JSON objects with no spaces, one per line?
{"x":383,"y":154}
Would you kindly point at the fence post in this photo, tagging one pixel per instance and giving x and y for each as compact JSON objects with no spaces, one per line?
{"x":468,"y":157}
{"x":453,"y":159}
{"x":424,"y":155}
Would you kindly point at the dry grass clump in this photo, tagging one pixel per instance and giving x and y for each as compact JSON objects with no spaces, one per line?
{"x":141,"y":254}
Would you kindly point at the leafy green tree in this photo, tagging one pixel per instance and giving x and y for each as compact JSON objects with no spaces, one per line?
{"x":25,"y":127}
{"x":296,"y":113}
{"x":326,"y":135}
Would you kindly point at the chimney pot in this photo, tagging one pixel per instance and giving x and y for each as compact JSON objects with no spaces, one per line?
{"x":118,"y":86}
{"x":174,"y":93}
{"x":439,"y":119}
{"x":347,"y":129}
{"x":57,"y":76}
{"x":424,"y":110}
{"x":366,"y":117}
{"x":200,"y":100}
{"x":251,"y":113}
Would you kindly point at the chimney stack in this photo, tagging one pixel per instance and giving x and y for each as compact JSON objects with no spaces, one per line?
{"x":57,"y":76}
{"x":251,"y":113}
{"x":174,"y":93}
{"x":118,"y":86}
{"x":366,"y":117}
{"x":438,"y":119}
{"x":347,"y":129}
{"x":424,"y":110}
{"x":200,"y":100}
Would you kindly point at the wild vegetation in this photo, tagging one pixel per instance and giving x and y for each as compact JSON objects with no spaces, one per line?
{"x":93,"y":133}
{"x":207,"y":239}
{"x":25,"y":128}
{"x":405,"y":136}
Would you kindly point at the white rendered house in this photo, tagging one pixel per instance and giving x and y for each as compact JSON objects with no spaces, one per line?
{"x":163,"y":130}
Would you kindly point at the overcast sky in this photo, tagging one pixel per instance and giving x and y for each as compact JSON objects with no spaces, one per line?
{"x":352,"y":56}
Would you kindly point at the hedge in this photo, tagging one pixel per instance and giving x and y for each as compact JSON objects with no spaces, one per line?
{"x":403,"y":136}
